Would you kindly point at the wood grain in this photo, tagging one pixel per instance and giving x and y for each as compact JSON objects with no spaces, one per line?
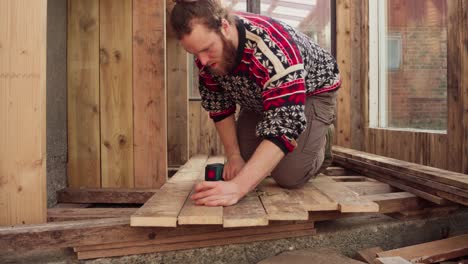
{"x":84,"y":150}
{"x":23,"y":111}
{"x":116,"y":93}
{"x":149,"y":94}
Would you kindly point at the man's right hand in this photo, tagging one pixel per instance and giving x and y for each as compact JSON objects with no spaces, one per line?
{"x":232,"y":167}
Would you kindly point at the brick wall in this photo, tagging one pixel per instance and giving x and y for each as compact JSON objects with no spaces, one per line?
{"x":418,"y":88}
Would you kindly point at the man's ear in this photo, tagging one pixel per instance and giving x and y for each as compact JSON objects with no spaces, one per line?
{"x":225,"y":28}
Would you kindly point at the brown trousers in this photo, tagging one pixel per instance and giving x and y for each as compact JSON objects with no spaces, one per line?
{"x":297,"y":167}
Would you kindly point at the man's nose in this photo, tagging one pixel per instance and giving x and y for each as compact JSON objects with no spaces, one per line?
{"x":203,"y":59}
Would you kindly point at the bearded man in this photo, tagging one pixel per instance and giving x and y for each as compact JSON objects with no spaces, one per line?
{"x":284,"y":83}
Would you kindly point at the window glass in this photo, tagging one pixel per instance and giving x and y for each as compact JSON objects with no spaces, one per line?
{"x":312,"y":17}
{"x":412,"y":54}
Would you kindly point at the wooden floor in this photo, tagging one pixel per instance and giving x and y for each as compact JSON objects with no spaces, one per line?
{"x":169,"y":206}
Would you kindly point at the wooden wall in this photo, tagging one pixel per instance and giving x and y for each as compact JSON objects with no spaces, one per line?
{"x":116,"y":93}
{"x":23,"y":111}
{"x":444,"y":150}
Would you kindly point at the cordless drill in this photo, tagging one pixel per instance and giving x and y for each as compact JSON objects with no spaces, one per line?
{"x":214,"y":172}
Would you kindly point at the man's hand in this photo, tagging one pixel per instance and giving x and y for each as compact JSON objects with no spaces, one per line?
{"x":217,"y":193}
{"x":233,"y":165}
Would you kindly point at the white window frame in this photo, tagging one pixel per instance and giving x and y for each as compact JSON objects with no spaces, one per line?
{"x":378,"y":64}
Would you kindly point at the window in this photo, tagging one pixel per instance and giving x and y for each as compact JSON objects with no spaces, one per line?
{"x":408,"y":64}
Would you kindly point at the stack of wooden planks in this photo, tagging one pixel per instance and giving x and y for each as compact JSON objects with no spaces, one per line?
{"x":433,"y":184}
{"x":430,"y":252}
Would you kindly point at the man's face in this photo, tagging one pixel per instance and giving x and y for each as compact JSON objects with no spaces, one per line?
{"x":211,"y":48}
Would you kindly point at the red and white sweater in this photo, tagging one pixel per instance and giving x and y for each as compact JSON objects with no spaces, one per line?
{"x":277,"y":67}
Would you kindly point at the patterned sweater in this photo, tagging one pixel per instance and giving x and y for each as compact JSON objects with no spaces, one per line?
{"x":277,"y":67}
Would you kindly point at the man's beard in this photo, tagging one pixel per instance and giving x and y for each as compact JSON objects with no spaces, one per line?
{"x":228,"y":62}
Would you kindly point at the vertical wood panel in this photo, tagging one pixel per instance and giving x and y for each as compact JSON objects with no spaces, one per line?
{"x":454,"y":91}
{"x":116,"y":93}
{"x":23,"y":111}
{"x":464,"y":81}
{"x":356,"y":111}
{"x":177,"y":103}
{"x":194,"y":124}
{"x":344,"y":59}
{"x":84,"y":165}
{"x":149,"y":94}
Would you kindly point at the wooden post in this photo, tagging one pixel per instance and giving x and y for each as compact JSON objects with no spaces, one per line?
{"x":23,"y":111}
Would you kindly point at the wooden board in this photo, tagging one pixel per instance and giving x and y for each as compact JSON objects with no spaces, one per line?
{"x":437,"y":175}
{"x":68,"y":214}
{"x":163,"y":208}
{"x":149,"y":94}
{"x":105,"y":195}
{"x":368,"y":188}
{"x":432,"y":252}
{"x":192,"y":214}
{"x":177,"y":103}
{"x":279,"y":203}
{"x":116,"y":93}
{"x":23,"y":27}
{"x":247,"y":212}
{"x":84,"y":149}
{"x":391,"y":260}
{"x":394,"y":202}
{"x":348,"y":200}
{"x":235,"y":238}
{"x":368,"y":255}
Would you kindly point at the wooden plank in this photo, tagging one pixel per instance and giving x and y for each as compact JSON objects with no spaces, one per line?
{"x":455,"y":129}
{"x":368,"y":188}
{"x":149,"y":94}
{"x":392,"y":181}
{"x":391,"y":260}
{"x":344,"y":60}
{"x":72,"y":205}
{"x":464,"y":80}
{"x":198,"y":233}
{"x":349,"y":201}
{"x":106,"y":195}
{"x":394,"y":202}
{"x":279,"y":203}
{"x":247,"y":212}
{"x":369,"y":254}
{"x":116,"y":93}
{"x":425,"y":213}
{"x":432,"y":252}
{"x":177,"y":102}
{"x":351,"y":178}
{"x":313,"y":199}
{"x":434,"y":174}
{"x":163,"y":208}
{"x":335,"y":171}
{"x":192,"y":214}
{"x":23,"y":40}
{"x":68,"y":214}
{"x":193,"y":244}
{"x":84,"y":147}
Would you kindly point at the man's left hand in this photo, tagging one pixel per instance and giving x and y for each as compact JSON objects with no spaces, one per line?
{"x":217,"y":193}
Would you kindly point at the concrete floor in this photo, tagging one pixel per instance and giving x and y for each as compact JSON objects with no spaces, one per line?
{"x":344,"y":235}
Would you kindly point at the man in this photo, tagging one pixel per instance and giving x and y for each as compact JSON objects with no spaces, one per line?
{"x":286,"y":87}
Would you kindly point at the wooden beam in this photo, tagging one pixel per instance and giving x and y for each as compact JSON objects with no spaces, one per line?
{"x":394,"y":202}
{"x":227,"y":237}
{"x":391,"y":260}
{"x":368,"y":255}
{"x":106,"y":195}
{"x":68,"y":214}
{"x":432,"y":252}
{"x":84,"y":145}
{"x":23,"y":27}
